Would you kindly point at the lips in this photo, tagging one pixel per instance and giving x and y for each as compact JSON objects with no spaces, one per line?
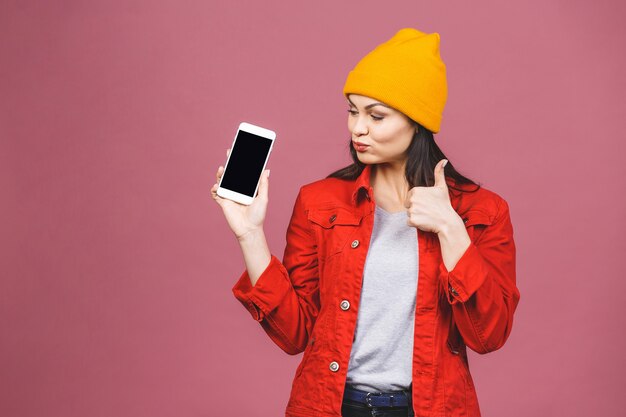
{"x":360,"y":147}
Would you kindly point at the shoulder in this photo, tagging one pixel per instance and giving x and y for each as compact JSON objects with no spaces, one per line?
{"x":483,"y":201}
{"x":326,"y":191}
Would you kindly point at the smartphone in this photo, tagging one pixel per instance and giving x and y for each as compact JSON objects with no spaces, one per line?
{"x":248,"y":156}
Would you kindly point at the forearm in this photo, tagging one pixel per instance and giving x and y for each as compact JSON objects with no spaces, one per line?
{"x":256,"y":253}
{"x":454,"y":241}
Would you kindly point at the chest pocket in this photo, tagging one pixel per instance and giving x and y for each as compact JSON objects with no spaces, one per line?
{"x":334,"y":228}
{"x":475,"y":222}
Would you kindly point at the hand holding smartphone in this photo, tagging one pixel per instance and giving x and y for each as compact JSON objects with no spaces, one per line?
{"x":239,"y":181}
{"x":247,"y":159}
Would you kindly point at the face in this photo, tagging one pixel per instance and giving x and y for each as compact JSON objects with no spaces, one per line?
{"x":386,"y":131}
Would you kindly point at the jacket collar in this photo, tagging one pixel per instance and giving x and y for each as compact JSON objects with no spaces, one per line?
{"x":362,"y":186}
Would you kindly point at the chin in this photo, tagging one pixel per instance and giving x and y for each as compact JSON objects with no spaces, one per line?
{"x":368,"y":159}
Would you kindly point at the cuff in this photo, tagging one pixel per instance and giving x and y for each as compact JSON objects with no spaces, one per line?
{"x":271,"y":287}
{"x":466,"y":277}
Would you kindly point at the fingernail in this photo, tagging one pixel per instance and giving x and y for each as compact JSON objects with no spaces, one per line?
{"x":268,"y":173}
{"x":444,"y":164}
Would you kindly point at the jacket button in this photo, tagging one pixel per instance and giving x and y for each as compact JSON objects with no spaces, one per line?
{"x":332,"y":218}
{"x":334,"y":366}
{"x":355,"y":243}
{"x":465,"y":220}
{"x":453,"y":291}
{"x":345,"y":304}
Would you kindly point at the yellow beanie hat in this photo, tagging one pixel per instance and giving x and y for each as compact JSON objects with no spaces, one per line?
{"x":407,"y":73}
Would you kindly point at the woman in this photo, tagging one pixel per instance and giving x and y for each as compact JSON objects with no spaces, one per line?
{"x":393,"y":265}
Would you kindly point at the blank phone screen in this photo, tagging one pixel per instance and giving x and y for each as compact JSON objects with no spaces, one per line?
{"x":245,"y":164}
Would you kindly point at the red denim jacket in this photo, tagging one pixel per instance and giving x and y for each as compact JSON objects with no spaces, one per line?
{"x":309,"y":303}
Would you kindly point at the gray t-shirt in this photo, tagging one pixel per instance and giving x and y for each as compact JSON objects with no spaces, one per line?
{"x":382,"y":351}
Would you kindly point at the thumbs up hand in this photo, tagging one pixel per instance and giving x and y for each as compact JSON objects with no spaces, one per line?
{"x":429,"y":208}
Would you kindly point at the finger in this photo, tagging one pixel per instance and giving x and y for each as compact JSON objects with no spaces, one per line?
{"x":216,"y":197}
{"x":227,"y":152}
{"x":264,"y":185}
{"x":413,"y":194}
{"x":440,"y":178}
{"x":220,"y":171}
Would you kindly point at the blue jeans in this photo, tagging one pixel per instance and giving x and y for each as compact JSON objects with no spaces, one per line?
{"x":351,"y":408}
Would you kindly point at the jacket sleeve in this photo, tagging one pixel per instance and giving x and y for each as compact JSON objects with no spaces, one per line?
{"x":481,"y":288}
{"x":285,"y":299}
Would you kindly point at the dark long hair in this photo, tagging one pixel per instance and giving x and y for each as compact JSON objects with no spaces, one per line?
{"x":423,"y":155}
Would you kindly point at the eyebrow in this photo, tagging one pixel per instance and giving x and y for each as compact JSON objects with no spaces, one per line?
{"x":371,"y":105}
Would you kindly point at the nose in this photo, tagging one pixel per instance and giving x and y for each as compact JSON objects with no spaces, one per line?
{"x":360,"y":127}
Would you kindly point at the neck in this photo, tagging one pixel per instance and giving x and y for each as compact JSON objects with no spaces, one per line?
{"x":389,"y":182}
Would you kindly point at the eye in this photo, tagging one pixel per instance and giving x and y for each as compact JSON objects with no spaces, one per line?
{"x":354,"y":113}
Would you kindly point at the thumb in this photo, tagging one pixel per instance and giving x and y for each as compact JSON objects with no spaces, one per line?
{"x":264,"y":185}
{"x":440,"y":178}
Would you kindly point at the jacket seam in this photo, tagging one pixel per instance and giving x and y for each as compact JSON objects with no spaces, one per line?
{"x":306,"y":210}
{"x":258,"y":311}
{"x":259,"y":305}
{"x":282,"y":334}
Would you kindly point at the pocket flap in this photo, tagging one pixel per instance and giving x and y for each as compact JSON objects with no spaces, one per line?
{"x":330,"y":217}
{"x":472,"y":218}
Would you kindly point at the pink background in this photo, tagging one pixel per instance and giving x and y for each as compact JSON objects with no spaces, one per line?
{"x":117,"y":266}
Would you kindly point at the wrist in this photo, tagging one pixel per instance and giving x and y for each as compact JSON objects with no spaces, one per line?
{"x":452,"y":226}
{"x":252,"y":235}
